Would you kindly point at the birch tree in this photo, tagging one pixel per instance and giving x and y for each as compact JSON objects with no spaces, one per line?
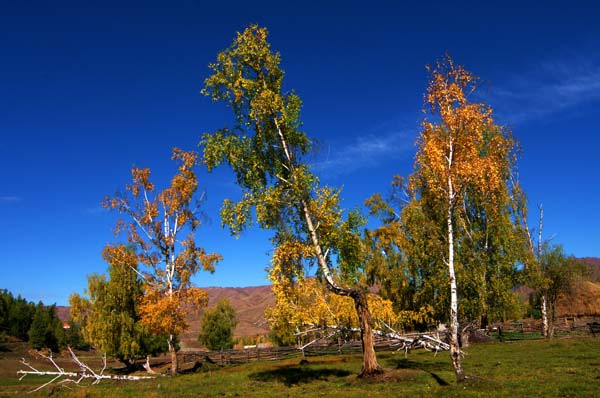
{"x":534,"y":266}
{"x":265,"y":148}
{"x":560,"y":273}
{"x":160,"y":225}
{"x":551,"y":272}
{"x":456,"y":155}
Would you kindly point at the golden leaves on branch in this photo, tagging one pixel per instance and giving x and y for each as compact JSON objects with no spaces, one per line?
{"x":164,"y":313}
{"x":141,"y":181}
{"x":464,"y":143}
{"x":303,"y":301}
{"x":307,"y":303}
{"x":287,"y":264}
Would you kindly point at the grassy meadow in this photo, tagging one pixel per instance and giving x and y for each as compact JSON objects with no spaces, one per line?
{"x":566,"y":367}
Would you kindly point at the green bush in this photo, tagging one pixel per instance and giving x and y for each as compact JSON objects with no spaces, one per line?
{"x":217,"y":327}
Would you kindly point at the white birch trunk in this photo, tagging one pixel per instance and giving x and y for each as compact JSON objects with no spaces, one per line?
{"x":544,"y":309}
{"x":545,"y":323}
{"x":454,"y":346}
{"x":370,"y":365}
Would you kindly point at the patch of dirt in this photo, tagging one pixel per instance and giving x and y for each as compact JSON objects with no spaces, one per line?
{"x":389,"y":376}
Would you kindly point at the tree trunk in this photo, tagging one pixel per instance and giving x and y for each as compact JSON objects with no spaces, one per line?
{"x":545,"y":323}
{"x":173,"y":355}
{"x":129,"y":364}
{"x":484,"y":322}
{"x":454,"y":344}
{"x":147,"y":366}
{"x":370,"y":365}
{"x":551,"y":320}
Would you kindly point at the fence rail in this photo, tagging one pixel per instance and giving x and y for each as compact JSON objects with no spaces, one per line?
{"x":232,"y":357}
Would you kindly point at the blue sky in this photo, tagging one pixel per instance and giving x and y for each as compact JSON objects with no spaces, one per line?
{"x":91,"y":89}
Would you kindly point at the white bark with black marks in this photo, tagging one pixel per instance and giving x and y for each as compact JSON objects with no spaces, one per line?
{"x":61,"y":376}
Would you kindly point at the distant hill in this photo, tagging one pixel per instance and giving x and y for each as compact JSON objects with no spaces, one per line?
{"x":63,"y":312}
{"x":249,"y":304}
{"x":583,"y":300}
{"x":593,"y":264}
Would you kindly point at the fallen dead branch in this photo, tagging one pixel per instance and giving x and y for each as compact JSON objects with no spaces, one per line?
{"x":406,"y":342}
{"x":84,"y":373}
{"x":428,"y":342}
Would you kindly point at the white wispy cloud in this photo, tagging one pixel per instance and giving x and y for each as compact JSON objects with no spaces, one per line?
{"x":550,"y":87}
{"x":364,"y":151}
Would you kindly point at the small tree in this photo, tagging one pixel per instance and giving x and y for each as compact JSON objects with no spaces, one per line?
{"x":155,"y":225}
{"x":559,"y":275}
{"x":550,"y":272}
{"x":217,"y":326}
{"x":110,"y":313}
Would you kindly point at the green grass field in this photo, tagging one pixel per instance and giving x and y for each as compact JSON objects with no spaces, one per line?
{"x":567,"y":367}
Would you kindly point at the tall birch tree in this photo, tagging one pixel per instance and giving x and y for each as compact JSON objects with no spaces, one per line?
{"x":160,"y":226}
{"x":265,"y":149}
{"x":457,"y":156}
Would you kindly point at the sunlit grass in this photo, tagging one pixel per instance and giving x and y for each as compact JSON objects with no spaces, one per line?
{"x":559,"y":368}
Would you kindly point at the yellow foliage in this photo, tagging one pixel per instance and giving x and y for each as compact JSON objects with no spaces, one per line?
{"x":459,"y":147}
{"x":307,"y":303}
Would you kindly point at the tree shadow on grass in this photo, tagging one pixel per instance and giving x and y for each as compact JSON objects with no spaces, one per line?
{"x":291,"y":375}
{"x":427,"y":367}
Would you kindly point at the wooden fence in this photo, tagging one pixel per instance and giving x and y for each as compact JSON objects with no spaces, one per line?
{"x":232,"y":357}
{"x":562,"y":324}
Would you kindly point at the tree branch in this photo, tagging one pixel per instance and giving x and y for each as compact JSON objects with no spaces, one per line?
{"x":85,"y":372}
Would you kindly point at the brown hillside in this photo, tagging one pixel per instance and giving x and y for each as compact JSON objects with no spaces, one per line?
{"x":249,"y":303}
{"x":63,"y":312}
{"x":583,"y":300}
{"x":593,"y":264}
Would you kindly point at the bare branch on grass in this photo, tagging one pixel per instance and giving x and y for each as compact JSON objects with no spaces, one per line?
{"x":84,"y":373}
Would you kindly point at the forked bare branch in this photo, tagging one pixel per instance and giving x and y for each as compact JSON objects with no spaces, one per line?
{"x":85,"y":372}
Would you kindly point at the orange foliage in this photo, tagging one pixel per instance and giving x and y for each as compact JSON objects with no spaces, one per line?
{"x":155,"y":221}
{"x":461,"y":145}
